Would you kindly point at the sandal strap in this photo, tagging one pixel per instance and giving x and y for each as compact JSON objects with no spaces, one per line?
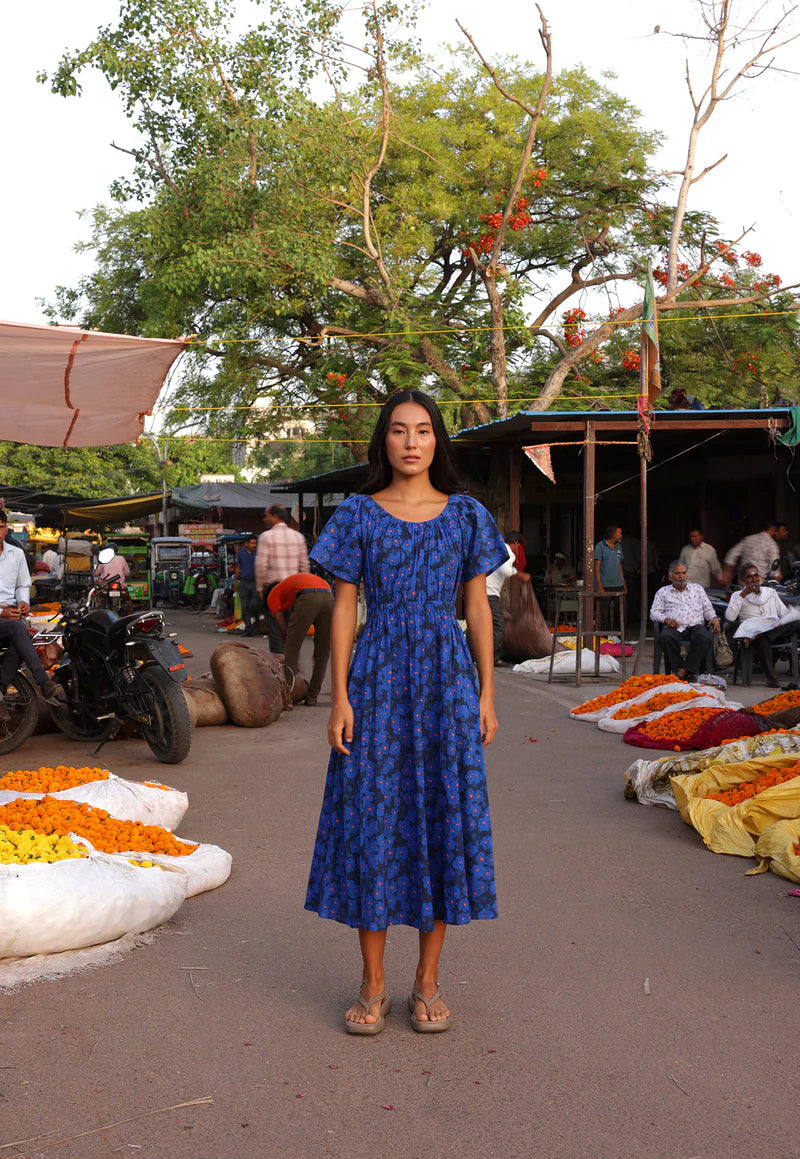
{"x":369,"y":1002}
{"x":426,"y":1002}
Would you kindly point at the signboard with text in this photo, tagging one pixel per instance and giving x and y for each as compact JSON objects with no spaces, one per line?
{"x":200,"y":532}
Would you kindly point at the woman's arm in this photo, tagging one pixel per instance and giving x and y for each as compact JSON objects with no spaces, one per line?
{"x":343,"y":630}
{"x":479,"y":621}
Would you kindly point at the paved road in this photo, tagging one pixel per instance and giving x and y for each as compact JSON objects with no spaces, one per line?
{"x":558,"y":1052}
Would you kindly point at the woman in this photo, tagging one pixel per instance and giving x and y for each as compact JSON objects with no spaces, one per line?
{"x":404,"y":835}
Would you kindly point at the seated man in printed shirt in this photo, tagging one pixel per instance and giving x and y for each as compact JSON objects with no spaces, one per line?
{"x":686,"y":616}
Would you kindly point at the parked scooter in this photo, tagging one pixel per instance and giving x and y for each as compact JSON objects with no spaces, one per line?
{"x":122,"y":670}
{"x":20,"y":700}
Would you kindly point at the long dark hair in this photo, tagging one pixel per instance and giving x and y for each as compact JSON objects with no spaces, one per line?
{"x":442,"y":474}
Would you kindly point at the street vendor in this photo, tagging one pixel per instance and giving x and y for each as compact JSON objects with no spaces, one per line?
{"x":15,"y":586}
{"x":686,"y":616}
{"x":755,"y":608}
{"x":307,"y":599}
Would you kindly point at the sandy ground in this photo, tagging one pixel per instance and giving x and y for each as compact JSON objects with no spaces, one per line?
{"x":558,"y":1051}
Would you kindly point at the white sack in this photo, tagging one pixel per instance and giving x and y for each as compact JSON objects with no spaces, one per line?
{"x":564,"y":664}
{"x":65,"y":905}
{"x":206,"y":868}
{"x":127,"y":800}
{"x":710,"y":699}
{"x":675,"y":686}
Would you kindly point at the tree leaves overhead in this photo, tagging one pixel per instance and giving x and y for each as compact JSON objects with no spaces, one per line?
{"x":249,"y":211}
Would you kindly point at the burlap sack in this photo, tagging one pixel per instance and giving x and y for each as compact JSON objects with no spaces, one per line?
{"x":206,"y":706}
{"x":251,"y":683}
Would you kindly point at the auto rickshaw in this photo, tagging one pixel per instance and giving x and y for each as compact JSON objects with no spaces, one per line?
{"x":134,"y":546}
{"x":170,"y":561}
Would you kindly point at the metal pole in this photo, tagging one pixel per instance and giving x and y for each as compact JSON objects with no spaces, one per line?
{"x":588,"y":527}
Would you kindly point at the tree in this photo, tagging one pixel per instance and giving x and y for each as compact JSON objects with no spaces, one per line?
{"x":331,"y":251}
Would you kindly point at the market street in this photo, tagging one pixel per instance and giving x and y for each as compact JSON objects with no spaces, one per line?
{"x":559,"y":1050}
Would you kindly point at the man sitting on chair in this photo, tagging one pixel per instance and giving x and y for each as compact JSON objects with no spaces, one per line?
{"x":765,"y":610}
{"x":686,"y":616}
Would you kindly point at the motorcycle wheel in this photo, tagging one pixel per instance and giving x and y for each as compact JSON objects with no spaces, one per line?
{"x":169,"y":733}
{"x":20,"y":700}
{"x":79,"y":722}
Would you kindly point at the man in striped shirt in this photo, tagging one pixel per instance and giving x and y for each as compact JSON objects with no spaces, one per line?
{"x":281,"y":552}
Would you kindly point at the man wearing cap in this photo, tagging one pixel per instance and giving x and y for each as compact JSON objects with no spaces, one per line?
{"x":306,"y":599}
{"x":15,"y":588}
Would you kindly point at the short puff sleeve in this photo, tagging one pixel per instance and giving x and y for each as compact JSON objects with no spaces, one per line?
{"x":484,"y":549}
{"x":339,"y":548}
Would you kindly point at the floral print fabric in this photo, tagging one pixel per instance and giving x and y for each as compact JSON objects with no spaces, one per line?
{"x":404,"y":835}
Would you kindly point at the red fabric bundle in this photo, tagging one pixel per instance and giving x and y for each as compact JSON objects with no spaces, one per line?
{"x":726,"y":726}
{"x":643,"y":741}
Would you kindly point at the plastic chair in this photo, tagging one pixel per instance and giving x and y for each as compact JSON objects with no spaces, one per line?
{"x":743,"y":658}
{"x":659,"y":653}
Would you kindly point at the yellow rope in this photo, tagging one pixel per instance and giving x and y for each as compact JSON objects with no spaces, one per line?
{"x":300,"y":406}
{"x":195,"y":340}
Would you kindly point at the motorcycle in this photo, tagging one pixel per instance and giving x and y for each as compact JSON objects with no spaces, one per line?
{"x":112,"y":593}
{"x":121,"y":670}
{"x":20,"y":700}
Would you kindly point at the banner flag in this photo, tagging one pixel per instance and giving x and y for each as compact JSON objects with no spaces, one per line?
{"x":540,"y":457}
{"x":650,"y":362}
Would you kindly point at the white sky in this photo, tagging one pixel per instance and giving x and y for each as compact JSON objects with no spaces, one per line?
{"x":58,"y":158}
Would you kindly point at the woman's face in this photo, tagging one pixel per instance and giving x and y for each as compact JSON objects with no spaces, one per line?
{"x":410,"y":441}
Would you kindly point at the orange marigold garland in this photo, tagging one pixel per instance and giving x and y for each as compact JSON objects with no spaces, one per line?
{"x":778,"y":703}
{"x":653,"y":704}
{"x":735,"y":794}
{"x":677,"y":725}
{"x":50,"y":780}
{"x":633,"y":686}
{"x":106,"y":833}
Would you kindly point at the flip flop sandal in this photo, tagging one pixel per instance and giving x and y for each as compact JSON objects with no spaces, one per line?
{"x":427,"y":1027}
{"x":368,"y":1003}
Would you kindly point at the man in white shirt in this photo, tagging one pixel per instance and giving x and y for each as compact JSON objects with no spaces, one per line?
{"x":701,"y":560}
{"x":15,"y":588}
{"x":686,"y":616}
{"x":761,"y":550}
{"x":754,"y":603}
{"x":494,"y":586}
{"x":281,"y":552}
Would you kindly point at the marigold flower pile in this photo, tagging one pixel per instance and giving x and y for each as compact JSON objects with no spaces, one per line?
{"x":47,"y":780}
{"x":633,"y":686}
{"x":778,"y":703}
{"x":747,"y":789}
{"x":108,"y":834}
{"x":23,"y":846}
{"x":677,"y":725}
{"x":653,"y":704}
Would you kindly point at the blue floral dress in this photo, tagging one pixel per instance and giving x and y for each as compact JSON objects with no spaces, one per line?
{"x":404,"y":836}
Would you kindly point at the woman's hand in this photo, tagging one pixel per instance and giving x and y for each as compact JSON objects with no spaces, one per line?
{"x":488,"y":720}
{"x":340,"y":727}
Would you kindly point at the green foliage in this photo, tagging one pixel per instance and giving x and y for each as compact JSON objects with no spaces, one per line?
{"x":250,"y":227}
{"x":81,"y":471}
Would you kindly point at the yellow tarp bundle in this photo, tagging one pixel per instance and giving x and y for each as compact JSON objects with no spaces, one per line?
{"x":734,"y":829}
{"x":776,"y":848}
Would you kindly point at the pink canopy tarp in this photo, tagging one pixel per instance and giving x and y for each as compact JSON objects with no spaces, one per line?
{"x":61,"y":386}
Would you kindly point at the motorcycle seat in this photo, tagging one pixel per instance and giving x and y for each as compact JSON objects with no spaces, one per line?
{"x":118,"y":629}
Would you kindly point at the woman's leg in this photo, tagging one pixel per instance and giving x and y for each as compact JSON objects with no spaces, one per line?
{"x":373,"y":944}
{"x":430,"y":949}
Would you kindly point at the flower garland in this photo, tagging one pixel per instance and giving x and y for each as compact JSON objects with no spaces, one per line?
{"x":735,"y":794}
{"x":50,"y":780}
{"x":108,"y":834}
{"x":633,"y":686}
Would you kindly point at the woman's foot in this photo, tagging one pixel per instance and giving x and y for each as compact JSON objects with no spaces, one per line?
{"x":430,"y":1012}
{"x":366,"y":1015}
